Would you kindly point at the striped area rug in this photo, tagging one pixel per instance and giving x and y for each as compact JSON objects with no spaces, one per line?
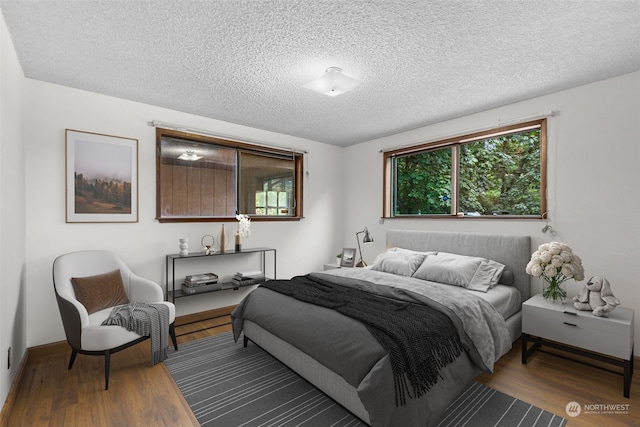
{"x":227,"y":385}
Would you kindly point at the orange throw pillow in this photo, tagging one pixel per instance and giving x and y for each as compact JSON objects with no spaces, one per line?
{"x":101,"y":291}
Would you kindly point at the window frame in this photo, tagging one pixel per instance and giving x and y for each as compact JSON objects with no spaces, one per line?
{"x":298,"y":159}
{"x":455,"y":143}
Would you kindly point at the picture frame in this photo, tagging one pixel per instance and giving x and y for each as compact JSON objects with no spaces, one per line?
{"x":101,"y":177}
{"x":348,"y":257}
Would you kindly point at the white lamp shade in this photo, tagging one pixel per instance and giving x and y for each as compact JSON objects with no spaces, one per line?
{"x":332,"y":83}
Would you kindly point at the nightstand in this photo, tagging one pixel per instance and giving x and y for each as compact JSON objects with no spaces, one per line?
{"x":562,"y":326}
{"x":331,"y":266}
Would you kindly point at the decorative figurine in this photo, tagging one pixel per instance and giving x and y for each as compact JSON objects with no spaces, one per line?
{"x":184,"y":246}
{"x":596,"y":296}
{"x":207,"y":242}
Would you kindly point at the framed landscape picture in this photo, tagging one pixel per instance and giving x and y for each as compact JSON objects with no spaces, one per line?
{"x":348,"y":257}
{"x":102,"y":177}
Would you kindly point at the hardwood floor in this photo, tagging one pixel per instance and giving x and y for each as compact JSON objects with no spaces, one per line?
{"x":551,"y":382}
{"x":141,"y":395}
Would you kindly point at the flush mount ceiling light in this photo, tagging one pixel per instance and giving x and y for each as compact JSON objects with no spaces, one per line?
{"x":190,"y":156}
{"x":332,"y":83}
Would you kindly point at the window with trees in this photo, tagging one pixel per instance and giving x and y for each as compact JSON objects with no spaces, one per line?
{"x":496,"y":173}
{"x":201,"y":178}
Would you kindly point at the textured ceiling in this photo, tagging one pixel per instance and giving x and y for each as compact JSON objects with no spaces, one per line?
{"x":244,"y":62}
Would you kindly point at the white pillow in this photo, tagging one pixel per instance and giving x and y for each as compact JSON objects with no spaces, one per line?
{"x":410,"y":252}
{"x":460,"y":270}
{"x":398,"y":262}
{"x":448,"y":268}
{"x":487,"y":275}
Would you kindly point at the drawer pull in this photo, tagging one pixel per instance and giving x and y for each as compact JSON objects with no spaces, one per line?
{"x":573,"y":313}
{"x":570,"y":324}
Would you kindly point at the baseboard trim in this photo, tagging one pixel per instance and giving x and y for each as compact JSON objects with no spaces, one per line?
{"x":13,"y":392}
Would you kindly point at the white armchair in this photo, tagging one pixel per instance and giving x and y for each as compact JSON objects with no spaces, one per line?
{"x":84,"y":331}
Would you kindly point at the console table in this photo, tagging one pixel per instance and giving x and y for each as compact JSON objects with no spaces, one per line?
{"x":562,"y":326}
{"x":172,"y":293}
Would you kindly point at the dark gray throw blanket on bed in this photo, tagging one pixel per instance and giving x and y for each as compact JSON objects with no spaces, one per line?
{"x":146,"y":320}
{"x":419,"y":339}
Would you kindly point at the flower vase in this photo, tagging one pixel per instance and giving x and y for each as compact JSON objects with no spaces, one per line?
{"x":223,"y":239}
{"x":238,"y":242}
{"x":184,"y":246}
{"x":553,"y":292}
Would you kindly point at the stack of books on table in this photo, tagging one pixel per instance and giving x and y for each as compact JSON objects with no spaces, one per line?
{"x":200,"y":283}
{"x":246,"y":278}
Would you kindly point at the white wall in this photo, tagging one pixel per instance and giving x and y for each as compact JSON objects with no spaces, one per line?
{"x":301,"y":246}
{"x":593,"y":182}
{"x":12,"y":212}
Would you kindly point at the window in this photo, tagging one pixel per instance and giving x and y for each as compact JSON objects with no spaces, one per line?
{"x":266,"y":184}
{"x":500,"y":172}
{"x":201,"y":178}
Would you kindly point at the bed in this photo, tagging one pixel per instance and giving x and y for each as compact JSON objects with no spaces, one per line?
{"x":341,"y":356}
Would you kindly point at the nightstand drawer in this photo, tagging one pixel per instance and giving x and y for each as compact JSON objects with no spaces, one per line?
{"x":611,"y":335}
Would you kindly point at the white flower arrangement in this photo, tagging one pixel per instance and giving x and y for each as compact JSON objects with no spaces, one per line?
{"x":244,"y":224}
{"x":555,"y":263}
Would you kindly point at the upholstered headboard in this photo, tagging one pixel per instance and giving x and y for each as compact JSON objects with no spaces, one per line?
{"x":513,"y":251}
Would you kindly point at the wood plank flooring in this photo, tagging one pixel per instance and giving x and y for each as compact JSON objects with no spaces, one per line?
{"x":141,"y":395}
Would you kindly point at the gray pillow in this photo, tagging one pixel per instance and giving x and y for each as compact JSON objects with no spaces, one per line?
{"x":507,"y":278}
{"x":398,"y":262}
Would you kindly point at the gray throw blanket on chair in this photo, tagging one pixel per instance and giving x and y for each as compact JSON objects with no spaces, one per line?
{"x":146,"y":320}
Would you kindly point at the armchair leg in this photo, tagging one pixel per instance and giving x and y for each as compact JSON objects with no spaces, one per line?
{"x":172,"y":332}
{"x":107,"y":363}
{"x":74,"y":353}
